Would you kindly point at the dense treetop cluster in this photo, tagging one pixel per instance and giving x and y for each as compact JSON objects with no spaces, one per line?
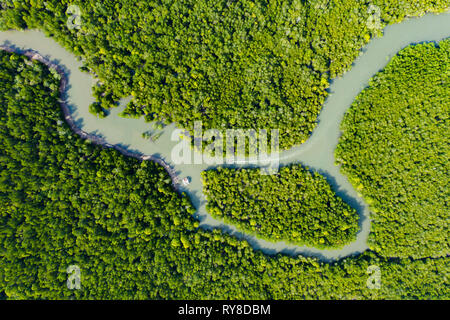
{"x":231,"y":64}
{"x":293,"y":205}
{"x":395,"y":148}
{"x":68,"y":202}
{"x":65,"y":201}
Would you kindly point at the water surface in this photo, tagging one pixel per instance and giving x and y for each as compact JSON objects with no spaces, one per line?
{"x":316,"y":153}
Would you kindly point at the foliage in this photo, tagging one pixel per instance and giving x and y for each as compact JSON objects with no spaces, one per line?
{"x":293,"y":205}
{"x":231,"y":64}
{"x":395,"y":149}
{"x":65,"y":201}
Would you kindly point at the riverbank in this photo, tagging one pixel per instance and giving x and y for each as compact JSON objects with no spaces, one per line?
{"x":33,"y":55}
{"x":317,"y":153}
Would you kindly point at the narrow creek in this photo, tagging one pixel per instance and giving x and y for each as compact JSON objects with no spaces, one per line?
{"x":317,"y":153}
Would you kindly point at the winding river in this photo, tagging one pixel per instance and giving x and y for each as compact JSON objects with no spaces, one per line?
{"x":316,"y":153}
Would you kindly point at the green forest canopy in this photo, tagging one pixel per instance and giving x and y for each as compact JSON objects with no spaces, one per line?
{"x":395,"y":149}
{"x":231,"y":64}
{"x":293,"y":205}
{"x":66,"y":201}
